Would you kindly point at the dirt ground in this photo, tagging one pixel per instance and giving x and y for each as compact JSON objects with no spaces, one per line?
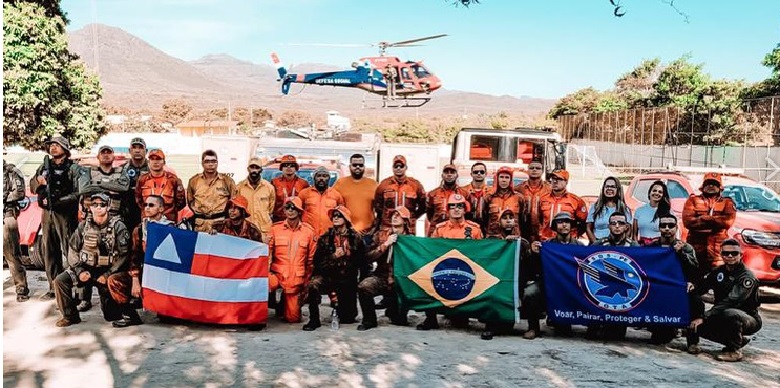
{"x":93,"y":354}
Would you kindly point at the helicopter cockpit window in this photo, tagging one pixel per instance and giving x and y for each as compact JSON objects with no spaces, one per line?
{"x":420,"y":71}
{"x":405,"y":73}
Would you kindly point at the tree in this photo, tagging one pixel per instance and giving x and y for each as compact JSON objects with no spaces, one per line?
{"x":771,"y":85}
{"x":580,"y":101}
{"x":46,"y":89}
{"x":681,"y":84}
{"x":637,"y":87}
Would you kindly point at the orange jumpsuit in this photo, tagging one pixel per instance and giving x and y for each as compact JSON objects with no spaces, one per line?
{"x":476,"y":198}
{"x":531,"y":220}
{"x":316,"y":206}
{"x":496,"y":202}
{"x":286,"y":188}
{"x":292,"y":261}
{"x":453,"y":229}
{"x":391,"y":193}
{"x":708,"y":220}
{"x":168,"y":186}
{"x":551,"y":204}
{"x":436,"y":205}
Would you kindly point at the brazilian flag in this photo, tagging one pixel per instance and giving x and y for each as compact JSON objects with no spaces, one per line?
{"x":474,"y":278}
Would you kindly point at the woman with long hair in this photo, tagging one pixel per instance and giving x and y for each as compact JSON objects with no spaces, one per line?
{"x":610,"y":200}
{"x":646,"y":217}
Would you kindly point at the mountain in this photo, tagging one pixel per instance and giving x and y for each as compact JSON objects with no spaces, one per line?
{"x":136,"y":75}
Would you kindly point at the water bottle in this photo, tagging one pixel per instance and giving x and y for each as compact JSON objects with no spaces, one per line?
{"x":334,"y":320}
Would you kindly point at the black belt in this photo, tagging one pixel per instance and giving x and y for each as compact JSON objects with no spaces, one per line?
{"x":211,"y":217}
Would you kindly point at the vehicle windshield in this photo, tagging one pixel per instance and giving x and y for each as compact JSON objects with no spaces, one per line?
{"x":305,"y":173}
{"x":676,"y":190}
{"x":420,"y":71}
{"x":753,"y":198}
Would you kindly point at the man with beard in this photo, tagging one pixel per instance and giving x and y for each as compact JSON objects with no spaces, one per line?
{"x":501,"y":197}
{"x":340,"y":254}
{"x":56,"y":184}
{"x":667,"y":225}
{"x":436,"y":200}
{"x":162,"y":183}
{"x":237,"y":223}
{"x":133,"y":169}
{"x":708,"y":217}
{"x":318,"y":200}
{"x":209,"y":192}
{"x":476,"y":192}
{"x":261,"y":196}
{"x":287,"y":185}
{"x":397,"y":191}
{"x":358,"y":193}
{"x":559,"y":200}
{"x":13,"y":192}
{"x":532,"y":191}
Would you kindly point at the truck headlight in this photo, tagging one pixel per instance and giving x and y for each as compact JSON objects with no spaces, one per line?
{"x":761,"y":238}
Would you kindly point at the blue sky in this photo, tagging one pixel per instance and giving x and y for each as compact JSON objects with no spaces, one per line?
{"x":539,"y":48}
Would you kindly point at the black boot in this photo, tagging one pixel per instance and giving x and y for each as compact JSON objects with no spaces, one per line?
{"x":129,"y":318}
{"x":314,"y":318}
{"x":430,"y":322}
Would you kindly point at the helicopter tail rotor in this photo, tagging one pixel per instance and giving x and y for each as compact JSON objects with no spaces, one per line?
{"x":284,"y":77}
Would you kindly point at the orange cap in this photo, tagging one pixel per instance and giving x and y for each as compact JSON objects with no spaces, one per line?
{"x":507,"y":210}
{"x":288,"y":159}
{"x":563,"y":174}
{"x":403,"y":212}
{"x":296,"y":202}
{"x":399,"y":158}
{"x":344,"y":212}
{"x":712,"y":176}
{"x":158,"y":153}
{"x":240,"y":202}
{"x":504,"y":170}
{"x":450,"y":167}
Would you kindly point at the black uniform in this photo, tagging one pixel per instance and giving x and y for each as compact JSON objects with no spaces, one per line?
{"x":735,"y":312}
{"x":13,"y":192}
{"x":690,"y":267}
{"x":611,"y":331}
{"x":59,"y":216}
{"x":133,"y":212}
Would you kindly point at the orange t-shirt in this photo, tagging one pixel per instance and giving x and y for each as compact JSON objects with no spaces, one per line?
{"x":359,"y":199}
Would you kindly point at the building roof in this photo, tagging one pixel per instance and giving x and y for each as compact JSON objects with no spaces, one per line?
{"x":208,"y":124}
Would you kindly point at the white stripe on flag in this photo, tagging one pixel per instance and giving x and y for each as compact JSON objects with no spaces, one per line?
{"x":204,"y":288}
{"x":230,"y":247}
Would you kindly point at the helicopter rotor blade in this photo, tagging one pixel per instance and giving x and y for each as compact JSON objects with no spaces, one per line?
{"x":405,"y":42}
{"x":326,"y":44}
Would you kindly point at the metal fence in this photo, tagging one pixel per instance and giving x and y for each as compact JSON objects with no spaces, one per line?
{"x":655,"y":138}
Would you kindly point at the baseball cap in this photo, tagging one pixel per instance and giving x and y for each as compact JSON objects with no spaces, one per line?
{"x":321,"y":170}
{"x":102,"y":196}
{"x":399,"y":158}
{"x":138,"y":140}
{"x":288,"y":159}
{"x":563,"y":174}
{"x":105,"y":147}
{"x":256,"y":162}
{"x":450,"y":167}
{"x":158,"y":153}
{"x":403,"y":212}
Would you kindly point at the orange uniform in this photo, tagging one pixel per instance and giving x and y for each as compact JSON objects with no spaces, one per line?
{"x":316,"y":206}
{"x":708,"y":220}
{"x":392,"y":193}
{"x":286,"y":188}
{"x":551,"y":204}
{"x":436,"y":205}
{"x":292,"y":261}
{"x":359,"y":199}
{"x":496,"y":202}
{"x":476,"y":198}
{"x":168,"y":186}
{"x":531,"y":220}
{"x":463,"y":230}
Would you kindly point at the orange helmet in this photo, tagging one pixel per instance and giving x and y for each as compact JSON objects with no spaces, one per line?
{"x":344,"y":212}
{"x":240,"y":202}
{"x":712,"y":176}
{"x":456,"y":198}
{"x":296,"y":202}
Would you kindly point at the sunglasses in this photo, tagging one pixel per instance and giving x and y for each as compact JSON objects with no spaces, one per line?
{"x":98,"y":204}
{"x":618,"y":223}
{"x":150,"y":205}
{"x":285,"y":165}
{"x":729,"y":253}
{"x":667,"y":225}
{"x":457,"y":206}
{"x":399,"y":165}
{"x":209,"y":161}
{"x":479,"y":172}
{"x":337,"y":215}
{"x":358,"y":165}
{"x":290,"y":207}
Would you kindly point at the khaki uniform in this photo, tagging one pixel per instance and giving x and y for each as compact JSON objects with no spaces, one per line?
{"x":208,"y":199}
{"x":261,"y":204}
{"x":13,"y":192}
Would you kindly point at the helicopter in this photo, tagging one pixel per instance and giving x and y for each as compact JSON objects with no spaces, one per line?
{"x":400,"y":83}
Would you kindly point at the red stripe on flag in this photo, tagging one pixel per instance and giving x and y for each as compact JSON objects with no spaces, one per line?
{"x":224,"y":268}
{"x":227,"y":313}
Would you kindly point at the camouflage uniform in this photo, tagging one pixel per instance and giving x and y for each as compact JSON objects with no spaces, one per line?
{"x":13,"y":192}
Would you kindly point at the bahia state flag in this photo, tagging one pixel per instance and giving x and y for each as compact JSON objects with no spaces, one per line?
{"x":475,"y":278}
{"x":626,"y":286}
{"x":204,"y":278}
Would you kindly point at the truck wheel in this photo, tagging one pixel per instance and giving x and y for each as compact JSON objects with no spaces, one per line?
{"x":35,"y":256}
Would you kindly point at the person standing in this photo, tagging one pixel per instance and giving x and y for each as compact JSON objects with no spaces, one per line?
{"x":560,"y":200}
{"x":318,"y":200}
{"x":13,"y":192}
{"x":291,"y":249}
{"x":261,"y":196}
{"x":532,"y":191}
{"x":287,"y":185}
{"x":98,"y":249}
{"x":476,"y":192}
{"x":734,"y":314}
{"x":610,"y":201}
{"x":125,"y":286}
{"x":164,"y":184}
{"x":397,"y":191}
{"x":646,"y":217}
{"x":358,"y":193}
{"x":502,"y":197}
{"x":436,"y":200}
{"x":209,"y":192}
{"x":237,"y":222}
{"x":133,"y":169}
{"x":708,"y":217}
{"x":56,"y":184}
{"x":340,"y":255}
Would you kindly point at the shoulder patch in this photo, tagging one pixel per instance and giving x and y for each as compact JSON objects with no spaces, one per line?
{"x":748,"y":283}
{"x":720,"y":277}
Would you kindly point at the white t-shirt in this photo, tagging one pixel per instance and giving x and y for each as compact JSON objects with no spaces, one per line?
{"x":644,"y":219}
{"x":601,"y":224}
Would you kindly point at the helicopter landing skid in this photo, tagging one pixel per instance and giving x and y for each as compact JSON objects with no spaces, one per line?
{"x":403,"y":102}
